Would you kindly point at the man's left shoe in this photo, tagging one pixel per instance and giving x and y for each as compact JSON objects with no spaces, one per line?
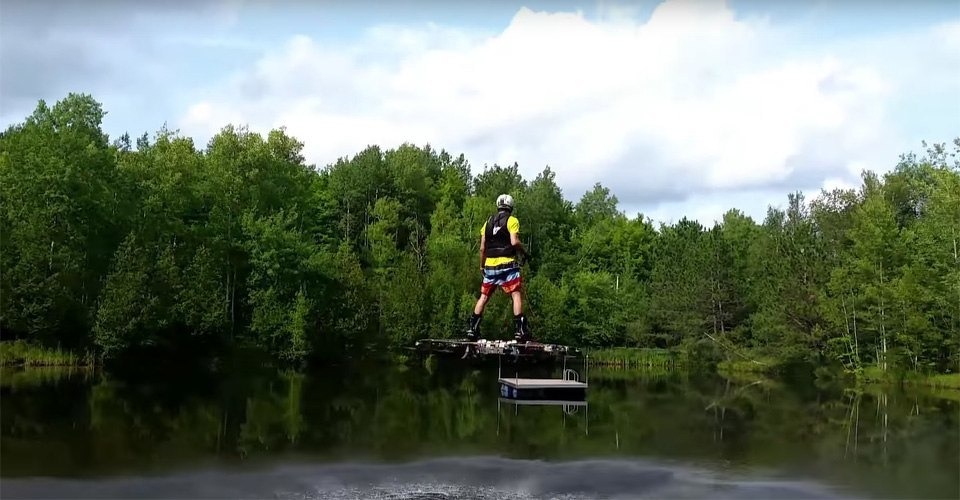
{"x":522,"y":338}
{"x":523,"y":329}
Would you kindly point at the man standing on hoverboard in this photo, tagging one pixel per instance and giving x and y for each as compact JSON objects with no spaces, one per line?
{"x":499,"y":248}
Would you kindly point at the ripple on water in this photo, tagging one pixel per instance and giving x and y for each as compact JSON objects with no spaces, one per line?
{"x":479,"y":478}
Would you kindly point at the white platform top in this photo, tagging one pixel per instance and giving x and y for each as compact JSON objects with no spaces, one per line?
{"x":543,"y":402}
{"x":542,"y":383}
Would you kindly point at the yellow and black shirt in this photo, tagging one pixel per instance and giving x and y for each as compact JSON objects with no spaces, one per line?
{"x":499,"y":249}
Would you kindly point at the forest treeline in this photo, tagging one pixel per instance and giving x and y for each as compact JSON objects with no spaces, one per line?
{"x":124,"y":245}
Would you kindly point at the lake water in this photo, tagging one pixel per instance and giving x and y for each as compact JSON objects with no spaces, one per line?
{"x":380,"y":431}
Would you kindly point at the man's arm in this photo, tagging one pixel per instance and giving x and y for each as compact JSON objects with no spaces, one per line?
{"x":515,"y":241}
{"x":513,"y":225}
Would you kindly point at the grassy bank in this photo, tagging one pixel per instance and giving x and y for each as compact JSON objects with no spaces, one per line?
{"x":660,"y":360}
{"x":770,"y":366}
{"x":875,"y":375}
{"x":943,"y":381}
{"x":22,"y":353}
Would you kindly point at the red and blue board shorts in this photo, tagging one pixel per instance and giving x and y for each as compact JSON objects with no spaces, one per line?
{"x":506,"y":276}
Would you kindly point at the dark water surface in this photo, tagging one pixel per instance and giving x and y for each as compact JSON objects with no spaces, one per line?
{"x":379,"y":431}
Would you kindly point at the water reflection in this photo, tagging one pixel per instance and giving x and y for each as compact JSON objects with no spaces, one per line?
{"x":884,"y":444}
{"x":472,"y":477}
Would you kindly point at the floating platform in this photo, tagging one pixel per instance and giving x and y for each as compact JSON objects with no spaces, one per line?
{"x":544,"y":402}
{"x":542,"y":389}
{"x":505,"y":350}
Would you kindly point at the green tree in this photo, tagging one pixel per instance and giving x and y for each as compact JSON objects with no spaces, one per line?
{"x":133,"y":245}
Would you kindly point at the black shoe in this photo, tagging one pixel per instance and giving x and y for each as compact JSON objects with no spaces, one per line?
{"x":473,"y":328}
{"x":523,"y":329}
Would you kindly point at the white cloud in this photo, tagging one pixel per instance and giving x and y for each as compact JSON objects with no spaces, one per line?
{"x":693,"y":102}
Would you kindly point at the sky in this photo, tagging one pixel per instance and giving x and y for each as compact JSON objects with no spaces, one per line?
{"x":679,"y":107}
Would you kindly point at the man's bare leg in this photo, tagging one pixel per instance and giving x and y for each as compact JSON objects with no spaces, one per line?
{"x":523,"y":328}
{"x":481,"y":304}
{"x":473,"y":329}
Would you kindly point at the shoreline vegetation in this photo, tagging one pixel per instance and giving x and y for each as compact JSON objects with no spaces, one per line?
{"x":638,"y":359}
{"x":144,"y":249}
{"x":620,"y":362}
{"x":20,"y":353}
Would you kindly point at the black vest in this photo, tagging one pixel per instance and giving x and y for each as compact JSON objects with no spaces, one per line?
{"x":498,"y":243}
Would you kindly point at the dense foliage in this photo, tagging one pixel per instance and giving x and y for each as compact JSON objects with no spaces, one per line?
{"x":156,"y":242}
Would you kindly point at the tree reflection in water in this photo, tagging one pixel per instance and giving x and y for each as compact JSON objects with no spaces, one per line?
{"x":891,"y":444}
